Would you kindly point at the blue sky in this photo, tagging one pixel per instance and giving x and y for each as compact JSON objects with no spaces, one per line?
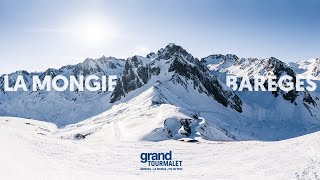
{"x":38,"y":34}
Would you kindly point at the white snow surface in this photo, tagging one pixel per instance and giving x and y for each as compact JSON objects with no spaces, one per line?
{"x":32,"y":150}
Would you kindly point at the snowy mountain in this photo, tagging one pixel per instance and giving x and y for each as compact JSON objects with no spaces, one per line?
{"x":231,"y":64}
{"x":170,"y":95}
{"x":221,"y":65}
{"x":308,"y":68}
{"x":174,"y":65}
{"x":64,"y":107}
{"x":157,"y":101}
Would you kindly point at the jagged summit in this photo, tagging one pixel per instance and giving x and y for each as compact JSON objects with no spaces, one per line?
{"x":173,"y":50}
{"x":218,"y":58}
{"x":231,"y":64}
{"x":103,"y":58}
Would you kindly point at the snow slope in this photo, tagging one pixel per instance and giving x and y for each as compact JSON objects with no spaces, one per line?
{"x":140,"y":119}
{"x":26,"y":154}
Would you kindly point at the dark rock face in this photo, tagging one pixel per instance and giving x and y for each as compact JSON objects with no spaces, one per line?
{"x":151,"y":55}
{"x":117,"y":92}
{"x":308,"y":99}
{"x":130,"y":80}
{"x":279,"y":69}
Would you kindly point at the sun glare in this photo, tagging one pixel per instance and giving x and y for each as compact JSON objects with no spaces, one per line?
{"x":93,"y":31}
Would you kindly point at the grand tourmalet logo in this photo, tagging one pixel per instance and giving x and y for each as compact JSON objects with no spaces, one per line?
{"x":160,"y":161}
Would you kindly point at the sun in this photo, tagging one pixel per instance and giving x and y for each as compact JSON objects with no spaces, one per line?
{"x":91,"y":30}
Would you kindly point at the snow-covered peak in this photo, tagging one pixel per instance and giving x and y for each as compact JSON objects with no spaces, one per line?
{"x":172,"y":51}
{"x":137,"y":61}
{"x":231,"y":64}
{"x":307,"y":68}
{"x":219,"y":62}
{"x":171,"y":44}
{"x":219,"y":58}
{"x":249,"y":67}
{"x":152,"y":55}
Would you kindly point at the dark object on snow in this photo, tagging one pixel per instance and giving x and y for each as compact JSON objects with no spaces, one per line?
{"x":189,"y":140}
{"x":79,"y":136}
{"x":193,"y":141}
{"x":186,"y":126}
{"x":194,"y":116}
